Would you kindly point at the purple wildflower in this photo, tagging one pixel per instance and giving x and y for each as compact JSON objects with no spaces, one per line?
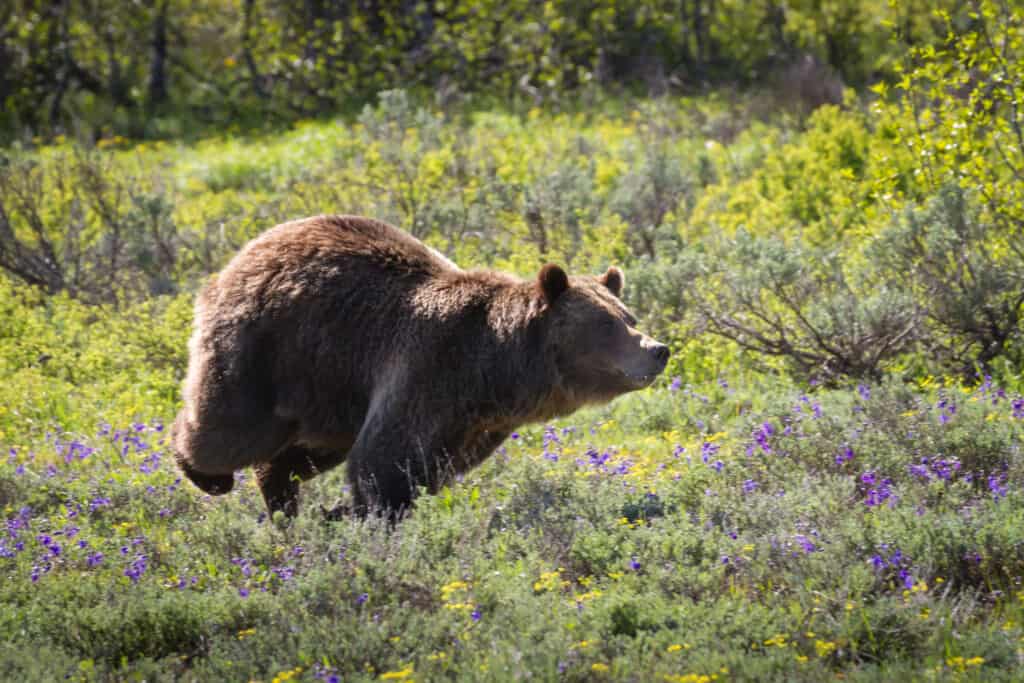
{"x":707,"y":450}
{"x":997,"y":485}
{"x":136,"y":568}
{"x":845,"y":456}
{"x":762,"y":434}
{"x":806,"y":543}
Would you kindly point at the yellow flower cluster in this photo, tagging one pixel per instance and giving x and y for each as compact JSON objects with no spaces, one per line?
{"x":550,"y":581}
{"x":287,"y":675}
{"x":401,"y":675}
{"x":449,"y":590}
{"x":961,"y":664}
{"x":824,"y":648}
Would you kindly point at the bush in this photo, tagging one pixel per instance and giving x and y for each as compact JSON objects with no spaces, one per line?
{"x":968,"y":277}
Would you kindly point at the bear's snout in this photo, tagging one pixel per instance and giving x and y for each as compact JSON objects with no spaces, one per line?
{"x":661,"y":354}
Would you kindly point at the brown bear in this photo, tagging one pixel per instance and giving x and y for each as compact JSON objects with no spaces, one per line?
{"x":340,"y":338}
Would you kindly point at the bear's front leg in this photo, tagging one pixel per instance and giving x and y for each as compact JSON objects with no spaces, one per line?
{"x":387,"y":466}
{"x":279,"y":479}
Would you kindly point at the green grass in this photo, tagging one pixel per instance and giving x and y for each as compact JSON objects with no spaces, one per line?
{"x":590,"y":549}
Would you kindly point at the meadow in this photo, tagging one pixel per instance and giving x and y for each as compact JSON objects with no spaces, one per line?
{"x":826,"y":484}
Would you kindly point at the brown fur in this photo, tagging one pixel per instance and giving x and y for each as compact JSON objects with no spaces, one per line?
{"x":342,"y":338}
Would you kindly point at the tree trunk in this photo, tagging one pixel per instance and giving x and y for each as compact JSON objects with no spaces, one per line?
{"x":158,"y":65}
{"x":250,"y":64}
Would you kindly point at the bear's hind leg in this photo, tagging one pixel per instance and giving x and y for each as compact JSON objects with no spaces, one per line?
{"x":279,"y":479}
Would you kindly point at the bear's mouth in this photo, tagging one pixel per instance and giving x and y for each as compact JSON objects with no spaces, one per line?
{"x":642,"y":381}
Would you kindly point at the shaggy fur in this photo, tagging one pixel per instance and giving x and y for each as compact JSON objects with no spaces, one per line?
{"x":341,"y":338}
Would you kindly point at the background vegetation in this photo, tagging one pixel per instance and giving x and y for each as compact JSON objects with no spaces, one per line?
{"x":818,"y":205}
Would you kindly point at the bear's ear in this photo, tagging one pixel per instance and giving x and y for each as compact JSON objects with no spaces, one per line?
{"x":552,"y":281}
{"x":614,"y":280}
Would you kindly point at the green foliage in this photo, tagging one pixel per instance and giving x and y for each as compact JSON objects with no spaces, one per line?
{"x":797,"y":303}
{"x":969,"y":275}
{"x":164,"y":69}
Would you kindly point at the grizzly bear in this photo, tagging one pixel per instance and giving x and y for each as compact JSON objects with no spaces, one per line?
{"x":341,"y":338}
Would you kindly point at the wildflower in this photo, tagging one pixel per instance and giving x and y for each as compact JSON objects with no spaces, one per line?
{"x":749,"y":486}
{"x":997,"y":485}
{"x":762,"y":435}
{"x":707,"y":450}
{"x":634,"y":564}
{"x":921,"y":471}
{"x":864,"y":391}
{"x":475,"y":615}
{"x":947,"y":409}
{"x":363,"y":597}
{"x":397,"y":675}
{"x":806,"y":543}
{"x":137,"y":568}
{"x":1018,"y":408}
{"x":677,"y":382}
{"x":845,"y":456}
{"x":879,"y":492}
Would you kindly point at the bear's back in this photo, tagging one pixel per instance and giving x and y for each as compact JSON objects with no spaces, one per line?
{"x":305,"y":242}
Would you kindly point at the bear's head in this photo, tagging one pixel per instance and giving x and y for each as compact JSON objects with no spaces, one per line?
{"x":597,"y":350}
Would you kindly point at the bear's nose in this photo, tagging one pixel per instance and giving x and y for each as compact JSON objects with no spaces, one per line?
{"x":661,"y":352}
